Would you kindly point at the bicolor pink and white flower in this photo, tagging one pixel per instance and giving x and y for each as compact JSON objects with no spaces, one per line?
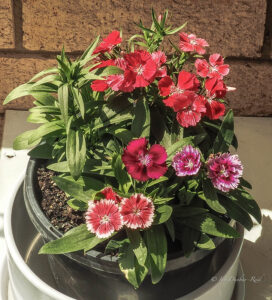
{"x":103,"y":218}
{"x":137,"y":211}
{"x":143,"y":163}
{"x":215,"y":67}
{"x":187,"y":161}
{"x":190,"y":43}
{"x":224,"y":170}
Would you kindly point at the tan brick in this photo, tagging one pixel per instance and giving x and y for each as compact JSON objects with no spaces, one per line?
{"x":16,"y":71}
{"x":2,"y":120}
{"x":233,"y":28}
{"x":6,"y":25}
{"x":253,"y":96}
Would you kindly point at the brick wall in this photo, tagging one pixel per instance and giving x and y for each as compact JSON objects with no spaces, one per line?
{"x":32,"y":32}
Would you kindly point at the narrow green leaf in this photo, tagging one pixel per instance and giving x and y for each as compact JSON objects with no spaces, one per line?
{"x":44,"y":72}
{"x":210,"y":224}
{"x":138,"y":246}
{"x":162,"y":214}
{"x":73,"y":189}
{"x":141,"y":123}
{"x":205,"y":242}
{"x":76,"y":152}
{"x":210,"y":196}
{"x":171,"y":229}
{"x":45,"y":110}
{"x":79,"y":101}
{"x":188,"y":211}
{"x":78,"y":204}
{"x":245,"y":183}
{"x":46,"y":79}
{"x":42,"y":151}
{"x":22,"y":141}
{"x":225,"y":134}
{"x":157,"y":249}
{"x":63,"y":98}
{"x":76,"y":239}
{"x":20,"y":91}
{"x":46,"y":129}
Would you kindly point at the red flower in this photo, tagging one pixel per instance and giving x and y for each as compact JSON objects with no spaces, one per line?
{"x":110,"y":194}
{"x":188,"y":106}
{"x":142,"y":66}
{"x":137,"y":211}
{"x":186,"y":82}
{"x":159,"y":58}
{"x":189,"y":43}
{"x":108,"y":42}
{"x":103,"y":218}
{"x":216,"y":68}
{"x":215,"y":88}
{"x":142,"y":163}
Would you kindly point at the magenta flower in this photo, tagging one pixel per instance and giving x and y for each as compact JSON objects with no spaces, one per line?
{"x":110,"y":194}
{"x":103,"y":218}
{"x":142,"y":163}
{"x":137,"y":211}
{"x":224,"y":170}
{"x":187,"y":161}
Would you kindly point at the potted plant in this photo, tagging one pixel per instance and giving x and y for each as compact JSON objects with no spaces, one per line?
{"x":130,"y":181}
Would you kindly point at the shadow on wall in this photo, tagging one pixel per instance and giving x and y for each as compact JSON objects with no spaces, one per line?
{"x":256,"y":260}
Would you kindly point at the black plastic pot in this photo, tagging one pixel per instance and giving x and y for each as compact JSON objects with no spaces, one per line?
{"x":97,"y":276}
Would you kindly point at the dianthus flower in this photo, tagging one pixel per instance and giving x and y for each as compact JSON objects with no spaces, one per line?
{"x":224,"y":170}
{"x":190,"y":43}
{"x":137,"y":211}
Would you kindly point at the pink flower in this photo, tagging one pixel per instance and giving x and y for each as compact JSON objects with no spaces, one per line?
{"x":187,"y":161}
{"x":224,"y":170}
{"x":190,"y":43}
{"x":142,"y":163}
{"x":186,"y":82}
{"x":159,"y":58}
{"x":216,"y":68}
{"x":108,"y":42}
{"x":188,"y":106}
{"x":142,"y":66}
{"x":110,"y":194}
{"x":103,"y":218}
{"x":137,"y":211}
{"x":215,"y":88}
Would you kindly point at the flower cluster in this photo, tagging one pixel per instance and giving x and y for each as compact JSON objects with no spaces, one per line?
{"x":105,"y":216}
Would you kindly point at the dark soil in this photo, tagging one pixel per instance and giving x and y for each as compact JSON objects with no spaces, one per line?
{"x":54,"y":203}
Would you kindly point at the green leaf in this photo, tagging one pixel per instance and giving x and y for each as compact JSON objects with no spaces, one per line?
{"x":210,"y":224}
{"x":121,"y":174}
{"x":141,"y":123}
{"x":46,"y":79}
{"x":113,"y":245}
{"x":45,"y":109}
{"x":194,"y":140}
{"x":78,"y":204}
{"x":73,"y":189}
{"x":245,"y":183}
{"x":127,"y":264}
{"x":245,"y":201}
{"x":44,"y":99}
{"x":157,"y":249}
{"x":20,"y":91}
{"x":162,"y":214}
{"x":76,"y":239}
{"x":46,"y":129}
{"x":205,"y":242}
{"x":171,"y":229}
{"x":89,"y":51}
{"x":225,"y":134}
{"x":43,"y":151}
{"x":210,"y":197}
{"x":138,"y":246}
{"x":237,"y":213}
{"x":124,"y":135}
{"x":22,"y":141}
{"x":44,"y":72}
{"x":188,"y":211}
{"x":189,"y":239}
{"x":106,"y":71}
{"x":63,"y":98}
{"x":79,"y":101}
{"x":176,"y":29}
{"x":76,"y":152}
{"x":37,"y":118}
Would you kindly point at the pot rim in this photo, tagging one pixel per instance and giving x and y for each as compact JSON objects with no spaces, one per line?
{"x":94,"y":257}
{"x":15,"y":254}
